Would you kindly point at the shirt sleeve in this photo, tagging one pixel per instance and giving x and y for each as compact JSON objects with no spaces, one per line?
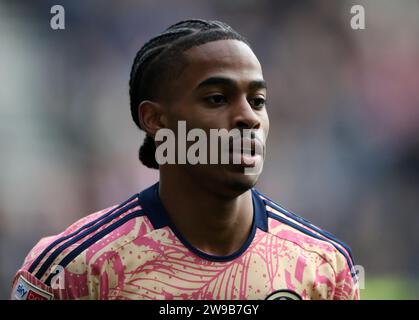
{"x":346,"y":283}
{"x":25,"y":286}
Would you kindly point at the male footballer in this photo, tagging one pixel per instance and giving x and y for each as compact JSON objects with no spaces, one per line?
{"x":202,"y":231}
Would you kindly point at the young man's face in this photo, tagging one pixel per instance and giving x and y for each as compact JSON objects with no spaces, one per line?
{"x":221,"y":86}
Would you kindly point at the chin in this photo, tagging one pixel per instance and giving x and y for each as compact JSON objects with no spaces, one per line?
{"x":245,"y":182}
{"x":237,"y":183}
{"x":226,"y":181}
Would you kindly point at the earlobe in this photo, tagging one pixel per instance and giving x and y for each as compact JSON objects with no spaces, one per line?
{"x":150,"y":116}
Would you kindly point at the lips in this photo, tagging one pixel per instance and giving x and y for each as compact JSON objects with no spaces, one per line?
{"x":250,"y":147}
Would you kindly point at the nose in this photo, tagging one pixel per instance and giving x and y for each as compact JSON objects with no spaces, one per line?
{"x":244,"y":117}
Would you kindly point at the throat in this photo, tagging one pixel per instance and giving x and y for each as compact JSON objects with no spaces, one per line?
{"x":216,"y":227}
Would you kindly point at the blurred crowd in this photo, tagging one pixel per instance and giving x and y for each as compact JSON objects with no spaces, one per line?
{"x":343,"y":149}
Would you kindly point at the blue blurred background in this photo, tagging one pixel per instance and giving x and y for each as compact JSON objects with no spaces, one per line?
{"x":343,"y":149}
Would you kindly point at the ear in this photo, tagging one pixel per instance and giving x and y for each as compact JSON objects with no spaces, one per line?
{"x":151,"y":116}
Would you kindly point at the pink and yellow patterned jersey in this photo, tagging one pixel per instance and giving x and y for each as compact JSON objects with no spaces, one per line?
{"x":131,"y":251}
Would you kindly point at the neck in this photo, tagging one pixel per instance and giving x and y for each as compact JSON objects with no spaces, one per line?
{"x":213,"y":224}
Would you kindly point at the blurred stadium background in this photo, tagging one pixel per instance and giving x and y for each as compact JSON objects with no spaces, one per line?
{"x":343,"y":104}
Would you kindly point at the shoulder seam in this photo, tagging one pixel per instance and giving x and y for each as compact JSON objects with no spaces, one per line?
{"x":313,"y":235}
{"x":81,"y":233}
{"x":88,"y":225}
{"x":87,"y":243}
{"x":305,"y":222}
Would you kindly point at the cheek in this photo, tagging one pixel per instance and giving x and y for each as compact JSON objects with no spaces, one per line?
{"x":186,"y":112}
{"x":198,"y":116}
{"x":265,"y":124}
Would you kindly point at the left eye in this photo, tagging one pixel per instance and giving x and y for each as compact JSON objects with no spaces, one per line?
{"x":216,"y":99}
{"x":257,"y":102}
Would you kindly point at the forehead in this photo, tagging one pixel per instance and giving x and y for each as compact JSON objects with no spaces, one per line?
{"x":228,"y":58}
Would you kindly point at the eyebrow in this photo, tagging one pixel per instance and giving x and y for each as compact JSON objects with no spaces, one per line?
{"x":222,"y":81}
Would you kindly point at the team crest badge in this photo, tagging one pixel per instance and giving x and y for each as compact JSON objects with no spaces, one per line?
{"x":283,"y":295}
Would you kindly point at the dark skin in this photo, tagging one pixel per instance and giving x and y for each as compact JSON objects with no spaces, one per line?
{"x":211,"y":205}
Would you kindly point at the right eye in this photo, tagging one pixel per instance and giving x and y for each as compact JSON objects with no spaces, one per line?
{"x":217,"y":99}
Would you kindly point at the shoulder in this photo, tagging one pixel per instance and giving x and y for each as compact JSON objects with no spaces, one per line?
{"x":301,"y":233}
{"x":73,"y":255}
{"x":331,"y":260}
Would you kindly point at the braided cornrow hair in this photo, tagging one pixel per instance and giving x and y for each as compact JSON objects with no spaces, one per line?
{"x":158,"y":61}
